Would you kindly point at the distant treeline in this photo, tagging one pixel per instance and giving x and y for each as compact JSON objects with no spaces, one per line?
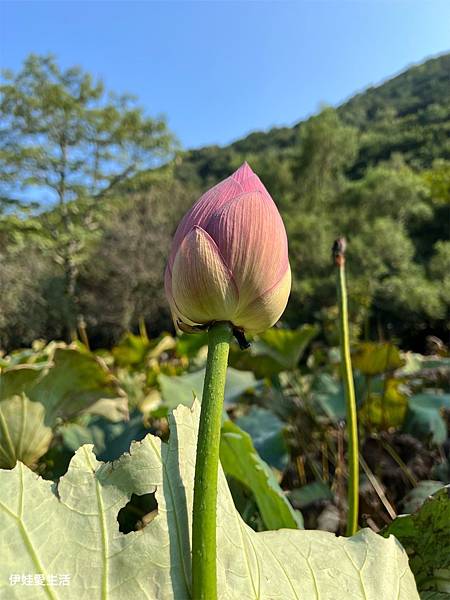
{"x":376,"y":170}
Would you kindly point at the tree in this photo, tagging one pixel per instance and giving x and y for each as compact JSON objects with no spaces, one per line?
{"x":326,"y":149}
{"x":438,"y":180}
{"x":123,"y":283}
{"x":61,"y":133}
{"x":64,"y":139}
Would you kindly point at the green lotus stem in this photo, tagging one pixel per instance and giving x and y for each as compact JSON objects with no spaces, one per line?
{"x":350,"y":401}
{"x":204,"y":576}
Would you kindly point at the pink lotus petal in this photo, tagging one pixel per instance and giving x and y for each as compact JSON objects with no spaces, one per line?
{"x":201,"y":211}
{"x":265,"y":311}
{"x":242,"y":180}
{"x":176,"y":314}
{"x":249,"y":181}
{"x":202,"y":286}
{"x":250,"y":235}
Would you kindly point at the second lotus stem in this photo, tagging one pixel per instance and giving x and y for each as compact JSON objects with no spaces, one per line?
{"x":350,"y":400}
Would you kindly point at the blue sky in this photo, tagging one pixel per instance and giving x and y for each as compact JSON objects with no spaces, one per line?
{"x":219,"y":70}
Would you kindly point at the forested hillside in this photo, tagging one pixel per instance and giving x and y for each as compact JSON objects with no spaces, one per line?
{"x":407,"y":114}
{"x":376,"y":169}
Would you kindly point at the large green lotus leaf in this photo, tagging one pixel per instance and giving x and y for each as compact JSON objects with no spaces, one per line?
{"x":372,"y":358}
{"x":309,"y":493}
{"x":417,"y":496}
{"x":266,"y":431}
{"x":240,"y":460}
{"x":183,"y":388}
{"x":135,"y":350}
{"x":286,"y":346}
{"x":238,"y":455}
{"x":74,"y":531}
{"x":274,"y":351}
{"x":23,"y":434}
{"x":131,"y":350}
{"x":110,"y":439}
{"x":419,"y":364}
{"x":328,"y":394}
{"x":72,"y":382}
{"x":424,"y":416}
{"x":19,"y":379}
{"x":426,"y":538}
{"x":189,"y":345}
{"x":386,"y":408}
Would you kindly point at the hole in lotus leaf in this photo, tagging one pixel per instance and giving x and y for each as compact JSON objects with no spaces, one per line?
{"x":137,"y":513}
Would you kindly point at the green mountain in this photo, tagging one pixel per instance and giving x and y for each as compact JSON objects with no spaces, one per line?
{"x":376,"y":169}
{"x":409,"y":113}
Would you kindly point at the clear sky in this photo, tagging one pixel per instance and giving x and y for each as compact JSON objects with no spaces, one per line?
{"x":219,"y":70}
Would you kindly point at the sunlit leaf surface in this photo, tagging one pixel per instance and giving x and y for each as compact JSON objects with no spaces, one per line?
{"x":75,"y":531}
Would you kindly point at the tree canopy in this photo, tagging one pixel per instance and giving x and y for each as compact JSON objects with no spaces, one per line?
{"x":376,"y":169}
{"x":64,"y":137}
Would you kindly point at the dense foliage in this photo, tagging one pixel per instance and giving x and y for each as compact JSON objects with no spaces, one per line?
{"x":376,"y":169}
{"x":283,"y":451}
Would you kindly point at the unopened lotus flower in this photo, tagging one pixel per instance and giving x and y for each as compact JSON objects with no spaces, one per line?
{"x":229,"y":258}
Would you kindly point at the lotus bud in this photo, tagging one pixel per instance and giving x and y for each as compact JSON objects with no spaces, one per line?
{"x":229,"y":258}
